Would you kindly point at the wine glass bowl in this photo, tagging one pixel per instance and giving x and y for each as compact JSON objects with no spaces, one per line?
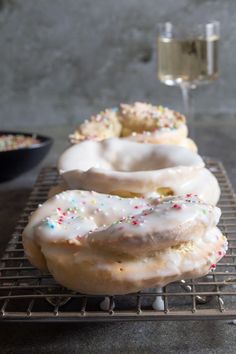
{"x":192,"y":58}
{"x":188,"y":56}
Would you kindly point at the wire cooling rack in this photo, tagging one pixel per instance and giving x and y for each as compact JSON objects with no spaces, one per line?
{"x":28,"y":295}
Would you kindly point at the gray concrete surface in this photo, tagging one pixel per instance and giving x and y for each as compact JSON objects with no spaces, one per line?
{"x":211,"y":337}
{"x":63,"y":60}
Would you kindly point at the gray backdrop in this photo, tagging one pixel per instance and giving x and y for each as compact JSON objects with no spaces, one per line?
{"x":62,"y":60}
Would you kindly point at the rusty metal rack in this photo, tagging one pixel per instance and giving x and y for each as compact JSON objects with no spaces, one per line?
{"x":28,"y":295}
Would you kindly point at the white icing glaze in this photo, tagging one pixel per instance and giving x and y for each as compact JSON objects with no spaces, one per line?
{"x":126,"y":156}
{"x":106,"y":167}
{"x":104,"y":244}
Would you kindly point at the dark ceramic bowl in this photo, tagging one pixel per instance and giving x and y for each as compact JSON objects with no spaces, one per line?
{"x":13,"y":163}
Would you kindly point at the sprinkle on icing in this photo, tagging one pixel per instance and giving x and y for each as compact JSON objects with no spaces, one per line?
{"x":177,"y":206}
{"x":10,"y":142}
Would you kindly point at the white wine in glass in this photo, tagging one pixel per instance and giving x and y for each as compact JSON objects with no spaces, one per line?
{"x":188,"y":59}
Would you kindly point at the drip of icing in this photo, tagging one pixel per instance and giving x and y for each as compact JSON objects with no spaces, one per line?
{"x":105,"y":304}
{"x":158,"y":303}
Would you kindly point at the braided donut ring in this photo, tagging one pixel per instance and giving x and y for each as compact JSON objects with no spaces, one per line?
{"x":126,"y":168}
{"x":141,"y":122}
{"x":102,"y":244}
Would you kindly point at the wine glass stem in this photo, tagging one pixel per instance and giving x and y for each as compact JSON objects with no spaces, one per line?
{"x":188,"y":107}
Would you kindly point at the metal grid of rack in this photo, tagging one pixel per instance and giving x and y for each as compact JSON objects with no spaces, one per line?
{"x":28,"y":295}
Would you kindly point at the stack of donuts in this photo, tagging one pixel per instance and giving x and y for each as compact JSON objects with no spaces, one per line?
{"x":136,"y":206}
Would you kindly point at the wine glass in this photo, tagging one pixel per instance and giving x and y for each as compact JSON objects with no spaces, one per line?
{"x":188,"y":57}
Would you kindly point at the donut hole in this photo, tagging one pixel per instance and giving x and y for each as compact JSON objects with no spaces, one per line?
{"x":126,"y":194}
{"x":162,"y":191}
{"x":141,"y":117}
{"x":165,"y":191}
{"x":138,"y":129}
{"x":138,"y":159}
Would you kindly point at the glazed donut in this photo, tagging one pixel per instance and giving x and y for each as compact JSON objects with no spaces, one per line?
{"x":128,"y":168}
{"x":102,"y":244}
{"x":141,"y":122}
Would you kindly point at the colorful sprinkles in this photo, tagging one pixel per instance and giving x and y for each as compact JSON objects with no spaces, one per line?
{"x":13,"y":142}
{"x":144,"y":118}
{"x":62,"y":218}
{"x":76,"y":211}
{"x":177,"y":206}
